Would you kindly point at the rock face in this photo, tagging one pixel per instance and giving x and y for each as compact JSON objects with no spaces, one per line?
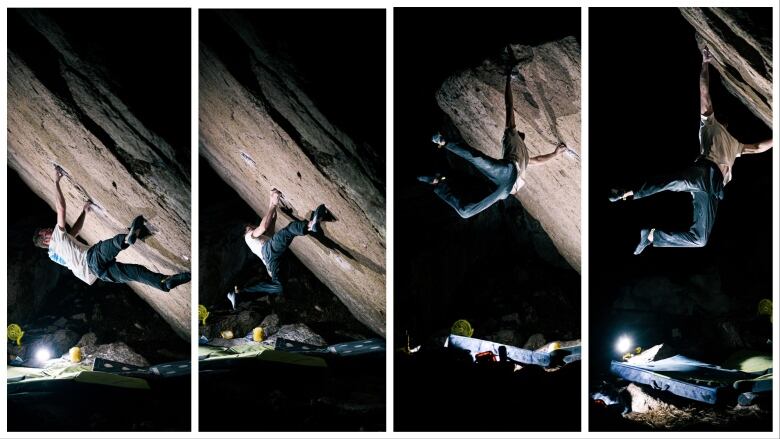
{"x":547,"y":110}
{"x":740,"y":40}
{"x":258,"y":130}
{"x":71,"y":117}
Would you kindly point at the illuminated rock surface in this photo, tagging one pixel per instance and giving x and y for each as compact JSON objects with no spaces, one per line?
{"x":258,"y":129}
{"x":740,"y":40}
{"x":70,"y":116}
{"x":547,"y":110}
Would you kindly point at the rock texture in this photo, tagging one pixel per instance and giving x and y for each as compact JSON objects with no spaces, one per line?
{"x":740,"y":40}
{"x":71,"y":118}
{"x":258,"y":130}
{"x":547,"y":110}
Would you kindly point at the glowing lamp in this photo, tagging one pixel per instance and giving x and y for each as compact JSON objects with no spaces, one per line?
{"x":623,"y":344}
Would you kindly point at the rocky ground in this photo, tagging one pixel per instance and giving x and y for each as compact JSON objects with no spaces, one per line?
{"x":105,"y":320}
{"x":658,"y":411}
{"x":347,"y":395}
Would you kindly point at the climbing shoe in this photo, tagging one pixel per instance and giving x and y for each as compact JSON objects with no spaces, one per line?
{"x":232,"y":297}
{"x":438,"y":139}
{"x":316,"y":217}
{"x":644,"y":241}
{"x":135,"y":230}
{"x":617,"y":195}
{"x":431,"y":179}
{"x":175,"y":280}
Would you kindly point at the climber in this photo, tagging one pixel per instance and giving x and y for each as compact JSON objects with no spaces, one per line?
{"x":270,"y":246}
{"x":98,"y":261}
{"x":704,"y":179}
{"x":506,"y":175}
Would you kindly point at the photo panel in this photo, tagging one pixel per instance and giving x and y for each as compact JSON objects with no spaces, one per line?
{"x":292,"y":219}
{"x":680,"y":219}
{"x":98,"y":292}
{"x":487,"y":219}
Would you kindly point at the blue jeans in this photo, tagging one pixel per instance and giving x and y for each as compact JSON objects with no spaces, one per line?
{"x":272,"y":251}
{"x":502,"y":173}
{"x":704,"y":181}
{"x":101,"y":259}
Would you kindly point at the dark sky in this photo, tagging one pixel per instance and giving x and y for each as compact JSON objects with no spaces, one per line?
{"x":644,"y":116}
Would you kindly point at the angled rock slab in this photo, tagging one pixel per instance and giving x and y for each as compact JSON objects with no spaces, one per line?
{"x":547,"y":110}
{"x":110,"y":158}
{"x":261,"y":131}
{"x":741,"y":45}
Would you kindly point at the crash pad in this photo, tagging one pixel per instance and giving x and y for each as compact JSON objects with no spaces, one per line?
{"x":682,"y":376}
{"x":214,"y":353}
{"x":27,"y":378}
{"x":524,"y":356}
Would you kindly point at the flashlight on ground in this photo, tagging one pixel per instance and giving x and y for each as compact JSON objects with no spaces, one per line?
{"x":623,"y":345}
{"x":42,"y":355}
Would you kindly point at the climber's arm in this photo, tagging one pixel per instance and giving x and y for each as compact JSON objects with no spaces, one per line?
{"x":59,"y":201}
{"x":510,"y":107}
{"x":538,"y":160}
{"x":80,"y":220}
{"x":758,"y":148}
{"x":705,"y":101}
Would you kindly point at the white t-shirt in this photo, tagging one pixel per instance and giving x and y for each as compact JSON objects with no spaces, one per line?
{"x":255,"y":244}
{"x":516,"y":151}
{"x":720,"y":147}
{"x":72,"y":253}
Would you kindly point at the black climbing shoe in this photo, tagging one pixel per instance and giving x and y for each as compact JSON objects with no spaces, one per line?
{"x":431,"y":179}
{"x":617,"y":195}
{"x":316,"y":217}
{"x":175,"y":280}
{"x":644,"y":241}
{"x":135,"y":230}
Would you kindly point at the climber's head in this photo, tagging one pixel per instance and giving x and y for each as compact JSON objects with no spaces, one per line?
{"x":42,"y":237}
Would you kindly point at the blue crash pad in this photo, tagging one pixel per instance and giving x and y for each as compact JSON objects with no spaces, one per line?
{"x":475,"y":346}
{"x":681,"y":376}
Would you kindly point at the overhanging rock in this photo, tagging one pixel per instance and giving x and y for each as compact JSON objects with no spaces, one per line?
{"x":547,"y":110}
{"x":260,"y":130}
{"x":740,"y":40}
{"x":72,"y":118}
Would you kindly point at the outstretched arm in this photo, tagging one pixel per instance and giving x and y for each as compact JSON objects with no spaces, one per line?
{"x":510,"y":107}
{"x":74,"y":231}
{"x":704,"y":83}
{"x":59,"y":201}
{"x":758,"y":148}
{"x":538,"y":160}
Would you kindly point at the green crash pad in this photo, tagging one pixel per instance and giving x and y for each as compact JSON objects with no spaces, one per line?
{"x":215,"y":353}
{"x":30,"y":376}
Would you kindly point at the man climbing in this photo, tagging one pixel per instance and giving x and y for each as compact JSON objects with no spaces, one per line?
{"x":98,"y":261}
{"x":270,"y":246}
{"x":506,"y":175}
{"x":704,"y":179}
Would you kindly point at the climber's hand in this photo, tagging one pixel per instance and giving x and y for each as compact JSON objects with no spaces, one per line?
{"x":706,"y":55}
{"x":58,"y":173}
{"x":88,"y":206}
{"x":561,"y":148}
